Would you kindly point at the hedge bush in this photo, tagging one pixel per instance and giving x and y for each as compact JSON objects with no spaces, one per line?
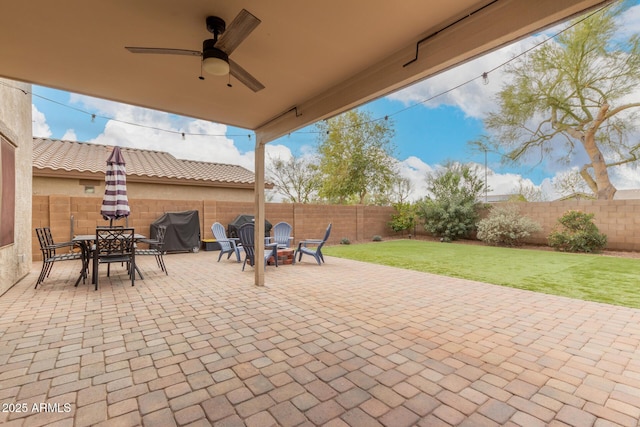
{"x":504,"y":226}
{"x":576,"y":232}
{"x":448,"y":219}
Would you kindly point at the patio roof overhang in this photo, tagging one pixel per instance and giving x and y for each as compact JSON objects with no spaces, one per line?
{"x":315,"y":59}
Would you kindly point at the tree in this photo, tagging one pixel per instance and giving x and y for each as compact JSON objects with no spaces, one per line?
{"x":297,"y":179}
{"x":570,"y":183}
{"x":356,"y":157}
{"x":450,"y":212}
{"x":399,"y":191}
{"x":571,"y":94}
{"x":405,"y":217}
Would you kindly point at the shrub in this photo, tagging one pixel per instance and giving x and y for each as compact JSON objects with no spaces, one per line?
{"x":377,"y":238}
{"x":345,"y":241}
{"x":448,"y":219}
{"x":504,"y":226}
{"x":451,"y":211}
{"x":576,"y":232}
{"x":405,"y":217}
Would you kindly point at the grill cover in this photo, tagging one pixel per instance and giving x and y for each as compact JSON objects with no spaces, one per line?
{"x":183,"y":231}
{"x":240,"y":220}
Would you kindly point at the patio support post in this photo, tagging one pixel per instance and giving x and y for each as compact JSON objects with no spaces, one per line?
{"x":259,"y":211}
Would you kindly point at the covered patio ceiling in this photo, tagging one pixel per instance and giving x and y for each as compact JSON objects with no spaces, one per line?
{"x":315,"y":59}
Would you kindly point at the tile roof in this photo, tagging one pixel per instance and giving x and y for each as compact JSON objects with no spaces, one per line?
{"x":59,"y":155}
{"x":628,"y":194}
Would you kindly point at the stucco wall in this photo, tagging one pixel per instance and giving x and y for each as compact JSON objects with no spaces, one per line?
{"x":15,"y":126}
{"x":140,"y":190}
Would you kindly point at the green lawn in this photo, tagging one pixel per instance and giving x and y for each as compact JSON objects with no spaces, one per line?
{"x":607,"y":279}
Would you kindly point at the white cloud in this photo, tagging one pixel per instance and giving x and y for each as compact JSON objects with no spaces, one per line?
{"x":70,"y":135}
{"x":415,"y":170}
{"x":506,"y":183}
{"x":155,"y":130}
{"x":626,"y":177}
{"x":629,"y":21}
{"x":548,"y":189}
{"x":272,"y":151}
{"x":39,"y":125}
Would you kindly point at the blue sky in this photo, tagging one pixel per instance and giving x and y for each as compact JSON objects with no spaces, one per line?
{"x":432,"y":125}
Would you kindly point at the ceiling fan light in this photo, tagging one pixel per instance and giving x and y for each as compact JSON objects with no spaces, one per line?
{"x":215,"y":62}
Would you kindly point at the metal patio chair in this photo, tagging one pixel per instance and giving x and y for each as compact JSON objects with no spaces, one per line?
{"x":50,"y":255}
{"x":156,"y":247}
{"x":113,"y":245}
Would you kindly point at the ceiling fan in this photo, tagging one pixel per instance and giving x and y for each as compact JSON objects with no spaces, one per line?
{"x":215,"y":52}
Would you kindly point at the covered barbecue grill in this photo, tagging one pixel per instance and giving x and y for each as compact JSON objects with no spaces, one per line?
{"x":240,"y":220}
{"x":183,"y":231}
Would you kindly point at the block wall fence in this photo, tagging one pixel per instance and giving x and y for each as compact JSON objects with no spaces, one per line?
{"x":68,"y":216}
{"x":618,"y":219}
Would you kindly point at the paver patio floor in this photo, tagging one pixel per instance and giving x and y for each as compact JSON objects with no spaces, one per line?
{"x":347,"y":343}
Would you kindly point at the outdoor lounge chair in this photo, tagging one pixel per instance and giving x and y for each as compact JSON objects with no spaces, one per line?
{"x":49,"y":255}
{"x":156,"y":247}
{"x":313,"y":247}
{"x":227,"y":245}
{"x":282,"y":235}
{"x":247,"y":238}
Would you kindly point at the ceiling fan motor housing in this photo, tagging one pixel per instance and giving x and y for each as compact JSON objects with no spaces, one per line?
{"x":215,"y":26}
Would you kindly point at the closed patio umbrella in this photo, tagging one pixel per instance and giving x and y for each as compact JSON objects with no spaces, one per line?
{"x":115,"y":204}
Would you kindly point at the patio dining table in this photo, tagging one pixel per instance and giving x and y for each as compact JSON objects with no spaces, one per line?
{"x":86,"y":241}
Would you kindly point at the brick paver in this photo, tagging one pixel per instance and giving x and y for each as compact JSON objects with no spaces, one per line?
{"x":358,"y":345}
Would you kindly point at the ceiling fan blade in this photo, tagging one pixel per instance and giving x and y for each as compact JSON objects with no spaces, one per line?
{"x":163,"y":51}
{"x":237,"y":31}
{"x":244,"y":77}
